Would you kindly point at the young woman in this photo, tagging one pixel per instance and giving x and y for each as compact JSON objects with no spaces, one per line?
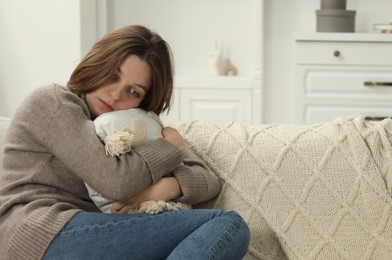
{"x":52,"y":149}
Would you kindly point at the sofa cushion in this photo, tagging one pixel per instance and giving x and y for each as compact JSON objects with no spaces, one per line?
{"x":4,"y":123}
{"x":318,"y":191}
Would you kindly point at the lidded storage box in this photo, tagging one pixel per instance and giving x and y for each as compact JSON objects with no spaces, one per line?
{"x":333,"y":17}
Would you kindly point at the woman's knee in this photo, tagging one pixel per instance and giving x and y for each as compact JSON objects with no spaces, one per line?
{"x":237,"y":236}
{"x":242,"y":226}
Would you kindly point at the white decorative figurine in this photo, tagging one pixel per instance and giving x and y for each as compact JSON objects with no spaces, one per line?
{"x":216,"y":65}
{"x":214,"y":58}
{"x":121,"y":131}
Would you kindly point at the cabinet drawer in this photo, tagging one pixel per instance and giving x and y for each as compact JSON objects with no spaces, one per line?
{"x":344,"y":53}
{"x":320,"y":113}
{"x":215,"y":105}
{"x":352,"y":80}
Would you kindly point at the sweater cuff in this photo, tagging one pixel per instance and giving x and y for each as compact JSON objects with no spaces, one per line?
{"x":193,"y":186}
{"x":161,"y":157}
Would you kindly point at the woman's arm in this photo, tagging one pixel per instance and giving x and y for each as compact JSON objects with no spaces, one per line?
{"x":198,"y":183}
{"x":172,"y":136}
{"x":193,"y":181}
{"x":196,"y":180}
{"x":165,"y":189}
{"x":59,"y":122}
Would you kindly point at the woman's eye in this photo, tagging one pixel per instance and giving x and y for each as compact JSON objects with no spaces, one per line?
{"x":134,"y":93}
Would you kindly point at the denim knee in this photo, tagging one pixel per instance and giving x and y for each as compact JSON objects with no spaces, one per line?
{"x":239,"y":237}
{"x":243,"y":228}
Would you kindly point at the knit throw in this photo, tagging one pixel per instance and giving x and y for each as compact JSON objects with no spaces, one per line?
{"x":319,"y":191}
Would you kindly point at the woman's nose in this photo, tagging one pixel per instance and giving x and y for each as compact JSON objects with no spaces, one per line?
{"x":116,"y":93}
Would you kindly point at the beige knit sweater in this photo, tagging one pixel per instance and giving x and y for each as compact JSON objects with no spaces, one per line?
{"x":51,"y":149}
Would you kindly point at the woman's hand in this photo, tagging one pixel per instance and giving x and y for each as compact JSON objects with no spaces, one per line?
{"x":165,"y":189}
{"x":173,"y":137}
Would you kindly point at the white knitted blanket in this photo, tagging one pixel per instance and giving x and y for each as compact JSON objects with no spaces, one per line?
{"x":318,"y":191}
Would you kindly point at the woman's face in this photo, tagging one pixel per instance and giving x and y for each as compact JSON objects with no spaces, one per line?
{"x":126,"y":90}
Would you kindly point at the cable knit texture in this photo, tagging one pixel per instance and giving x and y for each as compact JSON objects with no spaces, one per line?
{"x":319,"y":191}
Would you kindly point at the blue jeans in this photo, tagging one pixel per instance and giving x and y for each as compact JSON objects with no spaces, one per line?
{"x":183,"y":234}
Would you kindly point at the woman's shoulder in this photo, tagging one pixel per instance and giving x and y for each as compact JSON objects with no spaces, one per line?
{"x":51,"y":93}
{"x":46,"y":101}
{"x":52,"y":97}
{"x":46,"y":94}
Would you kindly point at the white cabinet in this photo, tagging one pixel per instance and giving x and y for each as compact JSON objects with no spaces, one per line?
{"x":218,"y":99}
{"x":340,"y":74}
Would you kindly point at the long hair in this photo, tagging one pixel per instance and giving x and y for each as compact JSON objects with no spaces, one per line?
{"x":101,"y":64}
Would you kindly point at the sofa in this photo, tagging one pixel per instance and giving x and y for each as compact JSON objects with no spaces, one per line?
{"x":320,"y":191}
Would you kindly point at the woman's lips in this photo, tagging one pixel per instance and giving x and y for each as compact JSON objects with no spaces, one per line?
{"x":106,"y":105}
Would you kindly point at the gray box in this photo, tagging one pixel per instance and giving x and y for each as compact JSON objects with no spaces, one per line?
{"x":335,"y":20}
{"x":333,"y":4}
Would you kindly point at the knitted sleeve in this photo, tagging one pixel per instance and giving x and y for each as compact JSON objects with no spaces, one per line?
{"x":64,"y":129}
{"x":198,"y":183}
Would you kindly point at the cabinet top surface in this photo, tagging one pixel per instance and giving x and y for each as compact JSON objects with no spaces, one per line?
{"x":344,"y":37}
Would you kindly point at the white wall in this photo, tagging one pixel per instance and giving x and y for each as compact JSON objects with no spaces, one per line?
{"x":40,"y":43}
{"x":191,"y":28}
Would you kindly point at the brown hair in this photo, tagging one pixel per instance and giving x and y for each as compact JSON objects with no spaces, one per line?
{"x":101,"y":64}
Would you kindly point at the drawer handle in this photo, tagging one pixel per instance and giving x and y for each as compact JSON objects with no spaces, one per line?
{"x":376,"y":118}
{"x":336,"y":53}
{"x":377,"y":84}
